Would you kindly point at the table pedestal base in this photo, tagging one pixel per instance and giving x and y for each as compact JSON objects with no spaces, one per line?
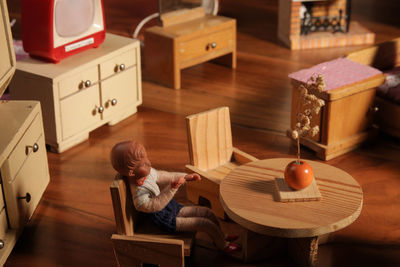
{"x":303,"y":251}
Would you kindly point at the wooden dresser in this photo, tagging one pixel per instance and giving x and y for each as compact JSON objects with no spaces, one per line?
{"x":82,"y":92}
{"x":24,"y":171}
{"x":169,"y":49}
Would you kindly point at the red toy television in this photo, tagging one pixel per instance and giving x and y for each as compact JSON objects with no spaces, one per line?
{"x":56,"y":29}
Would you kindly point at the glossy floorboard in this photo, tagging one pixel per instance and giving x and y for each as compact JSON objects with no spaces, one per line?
{"x":74,"y":221}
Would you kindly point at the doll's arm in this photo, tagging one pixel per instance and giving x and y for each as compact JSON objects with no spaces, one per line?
{"x":165,"y":178}
{"x":145,"y":203}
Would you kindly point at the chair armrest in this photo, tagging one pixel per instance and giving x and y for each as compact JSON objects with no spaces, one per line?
{"x":202,"y":173}
{"x":148,"y":238}
{"x":242,"y":157}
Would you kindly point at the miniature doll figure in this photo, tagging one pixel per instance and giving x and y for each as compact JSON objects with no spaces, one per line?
{"x":153,"y":191}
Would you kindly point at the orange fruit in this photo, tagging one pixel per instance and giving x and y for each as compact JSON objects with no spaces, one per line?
{"x":298,"y":174}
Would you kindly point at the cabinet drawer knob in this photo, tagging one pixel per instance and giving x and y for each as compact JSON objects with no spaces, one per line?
{"x":122,"y":67}
{"x":114,"y":101}
{"x":374,"y":109}
{"x":27,"y":197}
{"x":1,"y":243}
{"x":213,"y":45}
{"x":34,"y":148}
{"x":87,"y":83}
{"x":100,"y":109}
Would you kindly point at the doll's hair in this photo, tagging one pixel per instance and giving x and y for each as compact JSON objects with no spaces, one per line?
{"x":126,"y":156}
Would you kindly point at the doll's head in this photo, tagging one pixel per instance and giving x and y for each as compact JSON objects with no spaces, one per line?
{"x":129,"y":158}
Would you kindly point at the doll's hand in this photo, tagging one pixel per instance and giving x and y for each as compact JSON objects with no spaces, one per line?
{"x":178,"y":182}
{"x":192,"y":177}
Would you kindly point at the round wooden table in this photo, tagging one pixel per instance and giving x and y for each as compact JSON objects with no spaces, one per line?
{"x":249,"y":197}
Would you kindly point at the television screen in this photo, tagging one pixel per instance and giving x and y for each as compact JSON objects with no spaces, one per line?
{"x":73,"y":17}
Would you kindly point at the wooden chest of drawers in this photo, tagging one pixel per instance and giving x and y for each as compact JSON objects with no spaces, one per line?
{"x":83,"y":92}
{"x":170,"y":49}
{"x":24,"y":169}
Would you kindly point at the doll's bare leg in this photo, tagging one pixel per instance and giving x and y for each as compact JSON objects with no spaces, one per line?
{"x":194,"y":224}
{"x":198,"y":211}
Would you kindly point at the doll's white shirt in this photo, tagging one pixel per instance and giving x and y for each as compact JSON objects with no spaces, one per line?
{"x":148,"y":190}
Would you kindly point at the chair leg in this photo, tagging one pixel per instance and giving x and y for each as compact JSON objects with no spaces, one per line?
{"x":125,"y":260}
{"x":192,"y":195}
{"x":217,"y":208}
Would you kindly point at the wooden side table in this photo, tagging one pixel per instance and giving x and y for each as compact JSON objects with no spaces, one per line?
{"x":349,"y":105}
{"x":248,"y":196}
{"x":170,"y":49}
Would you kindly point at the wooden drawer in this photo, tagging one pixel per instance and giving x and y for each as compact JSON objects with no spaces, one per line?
{"x":207,"y":44}
{"x":78,"y":81}
{"x":80,"y":111}
{"x":113,"y":66}
{"x":23,"y":150}
{"x":32,"y":179}
{"x":3,"y":223}
{"x":120,"y":92}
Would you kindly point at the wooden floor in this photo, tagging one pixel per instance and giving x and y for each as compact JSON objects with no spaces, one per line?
{"x":74,"y":220}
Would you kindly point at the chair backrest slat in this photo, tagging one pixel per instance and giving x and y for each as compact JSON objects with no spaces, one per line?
{"x":124,"y":211}
{"x":210,"y":138}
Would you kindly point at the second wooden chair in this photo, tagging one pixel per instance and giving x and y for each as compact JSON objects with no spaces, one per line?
{"x":212,"y":155}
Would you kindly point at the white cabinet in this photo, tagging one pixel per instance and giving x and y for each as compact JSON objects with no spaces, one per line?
{"x":82,"y":92}
{"x":24,"y":169}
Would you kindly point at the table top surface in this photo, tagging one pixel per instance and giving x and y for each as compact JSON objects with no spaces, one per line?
{"x":249,"y":197}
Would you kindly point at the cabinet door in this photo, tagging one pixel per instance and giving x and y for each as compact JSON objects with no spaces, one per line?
{"x":80,"y":111}
{"x":24,"y":190}
{"x":119,"y":92}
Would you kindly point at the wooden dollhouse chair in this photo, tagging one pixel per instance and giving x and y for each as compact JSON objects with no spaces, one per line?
{"x":138,"y":240}
{"x":212,"y":155}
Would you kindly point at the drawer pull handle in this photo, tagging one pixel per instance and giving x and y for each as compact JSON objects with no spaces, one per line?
{"x":87,"y":83}
{"x":122,"y":67}
{"x":374,"y":109}
{"x":210,"y":46}
{"x":100,"y":109}
{"x":27,"y":197}
{"x":113,"y":102}
{"x":34,"y":148}
{"x":1,"y":243}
